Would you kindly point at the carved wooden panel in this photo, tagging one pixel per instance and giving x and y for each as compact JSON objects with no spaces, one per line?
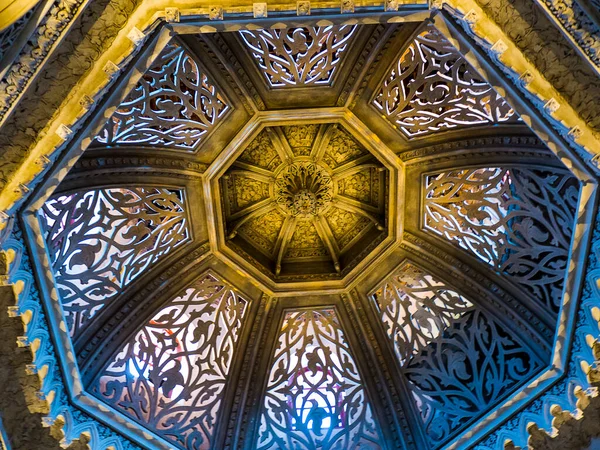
{"x":458,"y":360}
{"x":171,"y":375}
{"x":315,"y":397}
{"x":432,"y":88}
{"x":299,"y":56}
{"x":100,"y":240}
{"x":518,"y":220}
{"x":175,"y":104}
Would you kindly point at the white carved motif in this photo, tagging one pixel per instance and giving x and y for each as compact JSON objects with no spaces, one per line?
{"x":100,"y":240}
{"x":299,"y":56}
{"x":175,"y":104}
{"x":432,"y":88}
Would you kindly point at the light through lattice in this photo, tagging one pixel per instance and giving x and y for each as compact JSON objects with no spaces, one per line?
{"x":416,"y":308}
{"x":315,"y":397}
{"x":299,"y":56}
{"x":518,"y":220}
{"x":432,"y":88}
{"x":100,"y":240}
{"x":172,"y":374}
{"x":458,"y":360}
{"x":175,"y":104}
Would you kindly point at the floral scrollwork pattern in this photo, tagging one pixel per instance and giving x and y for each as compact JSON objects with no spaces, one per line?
{"x":175,"y":104}
{"x":299,"y":56}
{"x":458,"y":361}
{"x":315,"y":398}
{"x":172,"y":374}
{"x":102,"y":239}
{"x":433,"y":88}
{"x":415,"y":308}
{"x":518,"y":220}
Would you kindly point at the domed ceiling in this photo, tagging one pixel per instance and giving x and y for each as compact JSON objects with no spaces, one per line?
{"x":305,"y":201}
{"x":314,"y":236}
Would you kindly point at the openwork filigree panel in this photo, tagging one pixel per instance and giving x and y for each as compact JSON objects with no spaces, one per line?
{"x":171,"y":375}
{"x":471,"y":367}
{"x":433,"y":88}
{"x":518,"y":220}
{"x":100,"y":240}
{"x":175,"y":104}
{"x":299,"y":56}
{"x":458,"y":361}
{"x":315,"y":398}
{"x":415,"y":308}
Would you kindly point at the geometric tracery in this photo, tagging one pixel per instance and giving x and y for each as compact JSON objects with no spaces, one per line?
{"x":100,"y":240}
{"x":174,"y":104}
{"x":315,"y":398}
{"x":171,"y":375}
{"x":458,"y":360}
{"x":299,"y":56}
{"x":433,"y":88}
{"x":518,"y":220}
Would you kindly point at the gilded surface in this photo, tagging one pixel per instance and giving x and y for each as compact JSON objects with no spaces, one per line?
{"x":304,"y":225}
{"x":345,"y":225}
{"x":261,"y":153}
{"x":305,"y":242}
{"x":245,"y":191}
{"x":342,"y":149}
{"x":301,"y":138}
{"x":361,"y":186}
{"x":262,"y":231}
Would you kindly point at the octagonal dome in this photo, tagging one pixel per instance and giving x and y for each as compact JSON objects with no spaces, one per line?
{"x":328,"y":232}
{"x":305,"y":202}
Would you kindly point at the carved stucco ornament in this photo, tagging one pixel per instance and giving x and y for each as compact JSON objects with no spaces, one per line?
{"x":304,"y":189}
{"x":309,"y":196}
{"x":300,"y":198}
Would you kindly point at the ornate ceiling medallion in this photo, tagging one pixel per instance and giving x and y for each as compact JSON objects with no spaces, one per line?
{"x":304,"y":189}
{"x":305,"y":202}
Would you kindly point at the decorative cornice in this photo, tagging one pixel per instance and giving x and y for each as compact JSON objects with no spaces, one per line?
{"x":566,"y":84}
{"x":239,"y":70}
{"x":374,"y":64}
{"x":527,"y":146}
{"x":578,"y":26}
{"x":34,"y":53}
{"x":374,"y":40}
{"x":148,"y":165}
